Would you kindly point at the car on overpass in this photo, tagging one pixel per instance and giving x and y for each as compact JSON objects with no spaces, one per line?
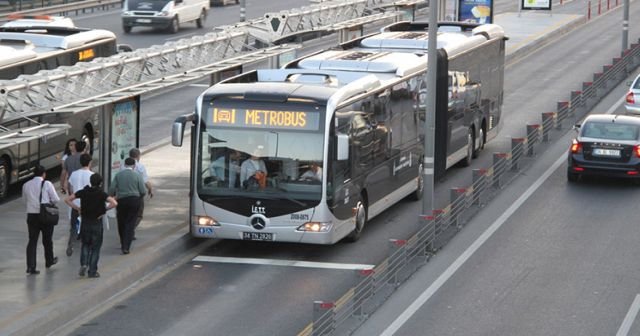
{"x":606,"y":145}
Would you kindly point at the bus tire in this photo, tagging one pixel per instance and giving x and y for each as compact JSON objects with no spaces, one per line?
{"x":361,"y":221}
{"x":174,"y":26}
{"x":476,"y":151}
{"x":466,"y":162}
{"x":4,"y":178}
{"x":201,"y":18}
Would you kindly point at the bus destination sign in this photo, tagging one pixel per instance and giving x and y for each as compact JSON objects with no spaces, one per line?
{"x":253,"y":118}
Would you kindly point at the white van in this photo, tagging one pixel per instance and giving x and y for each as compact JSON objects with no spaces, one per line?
{"x":163,"y":14}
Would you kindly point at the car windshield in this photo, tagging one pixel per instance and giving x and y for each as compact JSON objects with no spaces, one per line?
{"x":610,"y":131}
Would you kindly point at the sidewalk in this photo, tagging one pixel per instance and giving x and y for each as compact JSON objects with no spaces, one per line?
{"x":38,"y":305}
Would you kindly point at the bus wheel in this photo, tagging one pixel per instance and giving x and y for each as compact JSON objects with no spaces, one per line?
{"x":466,"y":162}
{"x":200,"y":20}
{"x":361,"y":220}
{"x":417,"y":195}
{"x":476,"y":152}
{"x":4,"y":179}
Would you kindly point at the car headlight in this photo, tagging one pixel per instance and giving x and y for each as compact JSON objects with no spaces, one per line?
{"x":315,"y":227}
{"x":205,"y":221}
{"x":127,"y":13}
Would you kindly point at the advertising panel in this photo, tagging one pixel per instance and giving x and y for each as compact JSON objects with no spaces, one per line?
{"x":536,"y":4}
{"x":125,"y":128}
{"x":478,"y":11}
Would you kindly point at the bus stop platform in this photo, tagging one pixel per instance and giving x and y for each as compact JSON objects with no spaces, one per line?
{"x":53,"y":301}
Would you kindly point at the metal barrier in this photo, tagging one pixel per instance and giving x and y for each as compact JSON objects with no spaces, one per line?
{"x":51,"y":90}
{"x":373,"y":286}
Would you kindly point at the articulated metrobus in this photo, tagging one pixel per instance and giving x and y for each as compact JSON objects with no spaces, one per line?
{"x":25,"y":50}
{"x":311,"y":152}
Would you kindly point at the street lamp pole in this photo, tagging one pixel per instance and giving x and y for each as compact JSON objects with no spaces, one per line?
{"x":430,"y":113}
{"x":625,"y":26}
{"x":243,"y":6}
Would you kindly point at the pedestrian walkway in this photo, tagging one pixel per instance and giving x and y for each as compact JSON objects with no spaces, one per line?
{"x":39,"y":304}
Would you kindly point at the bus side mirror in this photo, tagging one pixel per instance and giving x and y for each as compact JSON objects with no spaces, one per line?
{"x":343,"y":147}
{"x":177,"y":133}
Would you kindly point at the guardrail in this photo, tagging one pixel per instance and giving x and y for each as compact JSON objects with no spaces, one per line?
{"x":373,"y":286}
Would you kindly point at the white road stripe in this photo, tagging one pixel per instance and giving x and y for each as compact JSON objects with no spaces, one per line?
{"x":276,"y":262}
{"x":631,"y":316}
{"x":200,"y":85}
{"x":448,"y":273}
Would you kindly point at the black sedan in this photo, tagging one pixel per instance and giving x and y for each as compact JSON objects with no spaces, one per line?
{"x":606,"y":145}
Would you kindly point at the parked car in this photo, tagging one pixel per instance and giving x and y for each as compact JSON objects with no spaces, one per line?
{"x":163,"y":14}
{"x":20,"y":20}
{"x":632,"y":99}
{"x":606,"y":145}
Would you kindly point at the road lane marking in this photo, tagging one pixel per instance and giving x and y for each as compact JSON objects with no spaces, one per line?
{"x":200,"y":85}
{"x":631,"y":316}
{"x":278,"y":262}
{"x":448,"y":273}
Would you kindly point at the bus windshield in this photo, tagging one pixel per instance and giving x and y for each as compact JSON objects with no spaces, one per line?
{"x":270,"y":151}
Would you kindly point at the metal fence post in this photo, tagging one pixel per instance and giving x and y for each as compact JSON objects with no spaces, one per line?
{"x":363,"y":291}
{"x":517,"y":149}
{"x":562,"y":107}
{"x":587,"y":89}
{"x":397,"y":259}
{"x":458,"y":201}
{"x":548,"y":122}
{"x":576,"y":102}
{"x":499,"y":166}
{"x":479,"y":177}
{"x":533,"y":133}
{"x":426,"y":234}
{"x":323,"y":318}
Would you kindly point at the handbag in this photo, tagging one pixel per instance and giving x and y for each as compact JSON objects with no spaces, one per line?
{"x":49,"y":213}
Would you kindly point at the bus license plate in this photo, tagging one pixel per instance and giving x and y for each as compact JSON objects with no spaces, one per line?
{"x":263,"y":236}
{"x":144,"y":20}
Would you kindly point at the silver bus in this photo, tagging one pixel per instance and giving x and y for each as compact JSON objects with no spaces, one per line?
{"x":311,"y":152}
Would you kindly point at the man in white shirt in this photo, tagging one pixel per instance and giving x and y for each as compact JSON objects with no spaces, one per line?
{"x":217,"y":168}
{"x":34,"y":192}
{"x":79,"y":179}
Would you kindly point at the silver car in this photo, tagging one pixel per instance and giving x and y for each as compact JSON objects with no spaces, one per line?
{"x":632,"y":99}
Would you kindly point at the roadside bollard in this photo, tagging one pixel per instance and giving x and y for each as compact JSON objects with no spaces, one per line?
{"x":606,"y":70}
{"x":533,"y":133}
{"x":596,"y":78}
{"x":458,"y":201}
{"x":438,"y":214}
{"x":517,"y":150}
{"x":363,"y":292}
{"x":323,"y":318}
{"x":427,"y":234}
{"x":562,"y":108}
{"x":499,"y":167}
{"x":397,"y":259}
{"x":622,"y":74}
{"x":548,"y":122}
{"x":479,"y":177}
{"x":587,"y":88}
{"x":576,"y":102}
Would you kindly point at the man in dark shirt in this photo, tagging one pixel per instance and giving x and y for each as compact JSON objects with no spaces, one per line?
{"x":92,"y":208}
{"x":128,"y":187}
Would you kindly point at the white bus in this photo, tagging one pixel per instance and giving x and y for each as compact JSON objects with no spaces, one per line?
{"x":337,"y":136}
{"x":25,"y":50}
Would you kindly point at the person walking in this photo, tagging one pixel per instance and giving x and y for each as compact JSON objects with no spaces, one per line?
{"x":69,"y":149}
{"x":91,"y":209}
{"x":128,"y":187}
{"x":35,"y":192}
{"x":79,"y":179}
{"x":134,"y":153}
{"x":71,"y":164}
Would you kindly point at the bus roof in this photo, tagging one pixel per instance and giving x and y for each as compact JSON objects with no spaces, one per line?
{"x":453,"y":37}
{"x":12,"y":55}
{"x":51,"y":38}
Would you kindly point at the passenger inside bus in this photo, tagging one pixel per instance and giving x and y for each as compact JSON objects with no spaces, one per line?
{"x":313,"y":174}
{"x":253,"y":171}
{"x":218,"y":169}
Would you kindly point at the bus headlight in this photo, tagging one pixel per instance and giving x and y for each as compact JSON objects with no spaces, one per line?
{"x":127,"y":13}
{"x":315,"y":227}
{"x":205,"y":221}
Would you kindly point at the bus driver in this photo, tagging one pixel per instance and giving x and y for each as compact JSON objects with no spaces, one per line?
{"x":253,"y":171}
